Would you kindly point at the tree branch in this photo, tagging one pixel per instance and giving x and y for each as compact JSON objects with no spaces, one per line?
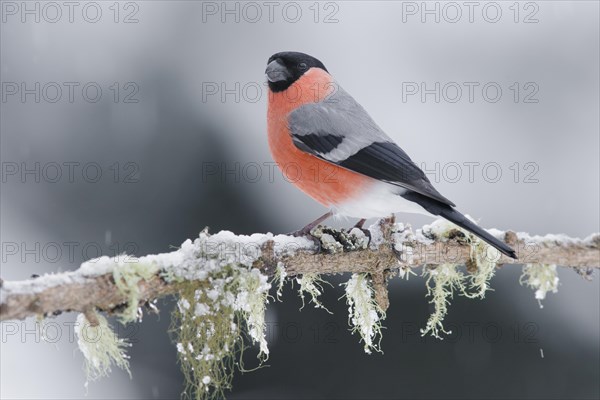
{"x":392,"y":245}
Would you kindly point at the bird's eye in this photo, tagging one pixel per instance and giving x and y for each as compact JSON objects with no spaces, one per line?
{"x":302,"y":66}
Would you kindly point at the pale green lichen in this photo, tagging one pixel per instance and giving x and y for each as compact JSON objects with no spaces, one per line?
{"x":127,"y":277}
{"x":251,"y":300}
{"x":208,"y":324}
{"x":405,"y":272}
{"x":280,"y":277}
{"x":542,"y":278}
{"x":485,"y":259}
{"x":221,"y":309}
{"x":311,"y":284}
{"x":441,"y":283}
{"x":208,"y":339}
{"x":447,"y":278}
{"x":364,"y":314}
{"x":101,"y":347}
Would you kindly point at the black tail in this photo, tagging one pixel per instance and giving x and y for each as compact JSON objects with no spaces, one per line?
{"x":454,"y":216}
{"x":437,"y":208}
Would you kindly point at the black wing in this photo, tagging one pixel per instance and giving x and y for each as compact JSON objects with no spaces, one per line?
{"x":340,"y":131}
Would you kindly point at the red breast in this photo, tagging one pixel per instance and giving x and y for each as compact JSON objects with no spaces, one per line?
{"x":323,"y":181}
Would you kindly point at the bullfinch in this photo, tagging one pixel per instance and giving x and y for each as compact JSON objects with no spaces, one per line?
{"x":329,"y":147}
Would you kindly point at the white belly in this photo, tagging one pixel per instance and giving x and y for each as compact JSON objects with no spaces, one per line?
{"x":380,"y":200}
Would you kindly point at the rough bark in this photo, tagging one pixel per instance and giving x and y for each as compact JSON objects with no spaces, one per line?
{"x":339,"y":253}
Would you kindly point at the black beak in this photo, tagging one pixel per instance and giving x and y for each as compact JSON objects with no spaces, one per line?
{"x":276,"y":71}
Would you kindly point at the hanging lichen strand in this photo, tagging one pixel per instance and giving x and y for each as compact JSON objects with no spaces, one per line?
{"x":209,"y":318}
{"x":364,"y":314}
{"x":542,"y":278}
{"x":100,"y":346}
{"x":208,"y":336}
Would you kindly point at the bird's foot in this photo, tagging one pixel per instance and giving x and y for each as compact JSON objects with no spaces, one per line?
{"x":306,"y":231}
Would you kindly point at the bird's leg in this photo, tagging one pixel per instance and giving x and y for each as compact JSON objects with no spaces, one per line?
{"x":359,"y":225}
{"x":306,"y":230}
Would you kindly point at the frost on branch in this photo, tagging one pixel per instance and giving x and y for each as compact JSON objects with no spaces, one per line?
{"x":364,"y":314}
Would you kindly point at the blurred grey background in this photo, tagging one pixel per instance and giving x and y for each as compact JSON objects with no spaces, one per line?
{"x":173,"y":142}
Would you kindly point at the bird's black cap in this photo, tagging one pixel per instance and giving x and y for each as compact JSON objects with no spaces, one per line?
{"x":283,"y":69}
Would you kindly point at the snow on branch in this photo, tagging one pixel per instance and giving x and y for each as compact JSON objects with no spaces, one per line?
{"x":109,"y":284}
{"x":222,"y":286}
